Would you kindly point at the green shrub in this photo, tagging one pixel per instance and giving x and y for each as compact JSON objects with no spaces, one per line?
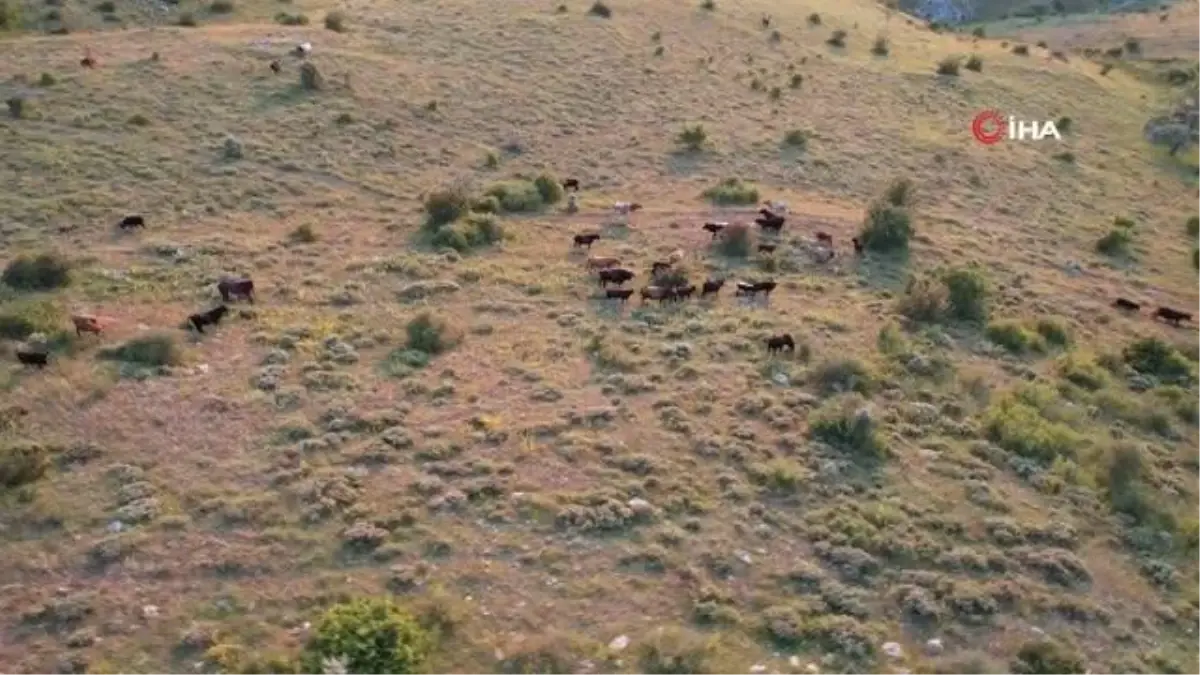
{"x":1014,"y":337}
{"x":516,"y":196}
{"x":949,"y":65}
{"x":600,"y":9}
{"x":1152,"y":356}
{"x":880,"y":46}
{"x":974,"y":63}
{"x":44,"y":272}
{"x":925,"y":300}
{"x":1054,"y":331}
{"x":477,"y":230}
{"x":370,"y":635}
{"x":1018,"y":427}
{"x":430,"y":334}
{"x":1116,"y":242}
{"x":1083,"y":372}
{"x":796,"y":138}
{"x":10,"y":15}
{"x":187,"y":19}
{"x":303,"y":234}
{"x":837,"y":38}
{"x":1193,"y":226}
{"x":968,"y":293}
{"x":549,"y":187}
{"x":446,"y":205}
{"x":22,"y":463}
{"x":887,"y":228}
{"x":221,"y":7}
{"x":814,"y":19}
{"x":676,"y":650}
{"x":335,"y":21}
{"x":843,"y":375}
{"x":22,"y":318}
{"x":158,"y":349}
{"x":486,"y":204}
{"x":1047,"y":656}
{"x":692,"y":137}
{"x":291,"y":19}
{"x":979,"y":32}
{"x":732,"y":191}
{"x":848,"y":424}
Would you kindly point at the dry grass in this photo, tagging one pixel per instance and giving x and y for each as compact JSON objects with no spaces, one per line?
{"x":552,"y":458}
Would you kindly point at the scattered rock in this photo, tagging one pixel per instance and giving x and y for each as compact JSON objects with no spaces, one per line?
{"x":619,"y":643}
{"x":893,"y":650}
{"x":934,"y":646}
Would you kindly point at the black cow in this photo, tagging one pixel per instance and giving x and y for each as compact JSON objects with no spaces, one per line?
{"x":618,"y":294}
{"x":755,"y":287}
{"x":586,"y":240}
{"x":714,"y":228}
{"x":773,"y":223}
{"x":32,"y":358}
{"x":685,"y":292}
{"x":778,"y":343}
{"x":711,"y":287}
{"x":1172,"y":316}
{"x":858,"y":247}
{"x":1128,"y":305}
{"x":231,"y":289}
{"x":210,"y":318}
{"x":616,"y":276}
{"x":130,"y":222}
{"x":571,"y":184}
{"x":825,"y":238}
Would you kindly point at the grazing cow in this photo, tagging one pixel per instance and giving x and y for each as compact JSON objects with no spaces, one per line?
{"x":585,"y":240}
{"x":1172,"y":316}
{"x":766,"y":248}
{"x":571,"y":184}
{"x":32,"y":358}
{"x":858,"y":247}
{"x":210,"y":318}
{"x":617,"y":275}
{"x":231,"y":289}
{"x":823,"y":255}
{"x":618,"y":294}
{"x":602,"y":263}
{"x":755,"y":287}
{"x":685,"y":292}
{"x":657,"y":293}
{"x":87,"y":61}
{"x":825,"y":238}
{"x":276,"y":67}
{"x":1129,"y":305}
{"x":626,"y":208}
{"x":86,"y":324}
{"x":714,"y":228}
{"x":779,"y":343}
{"x":130,"y":222}
{"x":711,"y":287}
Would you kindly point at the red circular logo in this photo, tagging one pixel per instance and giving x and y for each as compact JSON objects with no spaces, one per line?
{"x":989,"y":127}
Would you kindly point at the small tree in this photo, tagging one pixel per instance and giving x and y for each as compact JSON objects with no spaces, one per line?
{"x":693,"y":137}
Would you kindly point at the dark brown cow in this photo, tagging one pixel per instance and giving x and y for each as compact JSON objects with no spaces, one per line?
{"x":711,"y":287}
{"x":32,"y":358}
{"x":858,"y":247}
{"x":617,"y":275}
{"x":714,"y":229}
{"x":618,"y":294}
{"x":657,"y":293}
{"x":231,"y":289}
{"x":130,"y":222}
{"x":210,"y":318}
{"x":1127,"y":305}
{"x":1172,"y":316}
{"x":571,"y":184}
{"x":586,"y":240}
{"x":778,"y":343}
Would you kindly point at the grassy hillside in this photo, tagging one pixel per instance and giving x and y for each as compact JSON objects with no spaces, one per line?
{"x":991,"y":458}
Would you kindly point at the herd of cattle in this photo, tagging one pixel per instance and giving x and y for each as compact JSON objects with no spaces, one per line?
{"x":668,"y":283}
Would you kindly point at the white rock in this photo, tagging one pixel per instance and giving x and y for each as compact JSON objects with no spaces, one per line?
{"x":893,"y":649}
{"x":150,"y":611}
{"x":116,"y":526}
{"x":934,"y":646}
{"x":812,"y":668}
{"x":743,"y":556}
{"x":619,"y":643}
{"x":794,"y":661}
{"x":758,"y":668}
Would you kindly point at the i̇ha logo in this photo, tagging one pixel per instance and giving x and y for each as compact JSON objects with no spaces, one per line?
{"x":990,"y":127}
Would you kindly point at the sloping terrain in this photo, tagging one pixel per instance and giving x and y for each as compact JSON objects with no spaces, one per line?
{"x":554,"y":471}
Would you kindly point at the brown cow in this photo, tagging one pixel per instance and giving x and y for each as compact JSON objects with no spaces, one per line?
{"x":85,"y":323}
{"x":657,"y":293}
